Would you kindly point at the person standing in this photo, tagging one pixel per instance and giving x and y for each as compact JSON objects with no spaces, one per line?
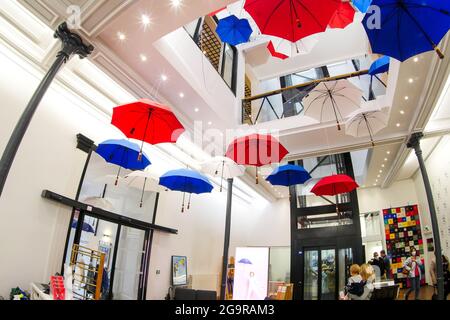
{"x":387,"y":265}
{"x":413,"y":265}
{"x":378,"y":265}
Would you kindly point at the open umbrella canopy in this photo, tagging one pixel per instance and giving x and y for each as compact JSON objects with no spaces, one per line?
{"x":123,"y":153}
{"x":99,"y":202}
{"x":283,"y":49}
{"x":222,"y":167}
{"x":408,"y":28}
{"x":185,"y":180}
{"x":362,"y":5}
{"x":288,"y":175}
{"x":147,"y":121}
{"x":291,"y":19}
{"x":380,"y":65}
{"x":85,"y":227}
{"x":334,"y":185}
{"x":233,"y":30}
{"x":143,"y":180}
{"x":332,"y":100}
{"x":366,"y":123}
{"x":343,"y":16}
{"x":245,"y":261}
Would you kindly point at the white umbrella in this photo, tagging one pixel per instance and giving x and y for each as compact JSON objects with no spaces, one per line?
{"x":109,"y":179}
{"x":224,"y":167}
{"x":143,"y":180}
{"x":292,"y":49}
{"x":366,"y":123}
{"x":332,"y":100}
{"x":98,"y":202}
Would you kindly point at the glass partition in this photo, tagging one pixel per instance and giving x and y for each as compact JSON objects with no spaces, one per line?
{"x":279,"y":268}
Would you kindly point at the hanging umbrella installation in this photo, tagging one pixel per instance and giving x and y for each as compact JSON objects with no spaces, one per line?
{"x":283,"y":49}
{"x":408,"y":28}
{"x":288,"y":175}
{"x":381,"y":65}
{"x":142,"y":180}
{"x":123,"y":153}
{"x":362,"y":5}
{"x":367,"y":123}
{"x":256,"y":150}
{"x":332,"y":100}
{"x":147,"y":121}
{"x":291,"y":19}
{"x":186,"y":181}
{"x":343,"y":16}
{"x":223,"y":167}
{"x":233,"y":30}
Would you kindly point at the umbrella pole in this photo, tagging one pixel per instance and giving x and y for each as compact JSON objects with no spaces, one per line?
{"x":189,"y":201}
{"x":182,"y":206}
{"x":145,"y":133}
{"x":142,"y":195}
{"x":257,"y":180}
{"x":334,"y":110}
{"x":370,"y":131}
{"x":226,"y":244}
{"x":117,"y":177}
{"x":72,"y":44}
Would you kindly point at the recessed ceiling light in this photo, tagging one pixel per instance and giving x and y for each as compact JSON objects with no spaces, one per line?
{"x":388,"y":152}
{"x":378,"y":176}
{"x":382,"y":165}
{"x":410,"y":80}
{"x":385,"y":159}
{"x":163,"y":77}
{"x":121,"y":36}
{"x":181,"y":95}
{"x":406,"y":98}
{"x":209,"y":123}
{"x":143,"y":57}
{"x":416,"y":59}
{"x":176,"y":3}
{"x":145,"y":20}
{"x":402,"y":112}
{"x":196,"y":109}
{"x":374,"y":184}
{"x":381,"y":171}
{"x":398,"y":124}
{"x":376,"y":180}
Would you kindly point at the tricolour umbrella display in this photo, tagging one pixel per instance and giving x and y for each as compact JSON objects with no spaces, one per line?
{"x":362,"y":5}
{"x":343,"y":16}
{"x":123,"y":153}
{"x":143,"y":180}
{"x":408,"y":27}
{"x":233,"y":30}
{"x":291,"y":19}
{"x":332,"y":100}
{"x":186,"y":181}
{"x":256,"y":150}
{"x":381,"y":65}
{"x":283,"y":49}
{"x":366,"y":123}
{"x":288,"y":175}
{"x":147,"y":121}
{"x":223,"y":167}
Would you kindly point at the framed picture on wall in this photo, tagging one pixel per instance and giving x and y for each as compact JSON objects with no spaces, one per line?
{"x":179,"y":270}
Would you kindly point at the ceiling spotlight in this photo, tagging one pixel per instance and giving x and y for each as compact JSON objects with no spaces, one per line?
{"x":176,"y":3}
{"x":121,"y":36}
{"x":416,"y":59}
{"x":143,"y":57}
{"x":163,"y":77}
{"x":181,"y":95}
{"x":381,"y":171}
{"x":145,"y":20}
{"x":398,"y":125}
{"x":402,"y":112}
{"x":196,"y":109}
{"x":406,"y":98}
{"x":410,"y":80}
{"x":388,"y":152}
{"x":209,"y":123}
{"x":385,"y":159}
{"x":374,"y":184}
{"x":378,"y":176}
{"x":382,"y":165}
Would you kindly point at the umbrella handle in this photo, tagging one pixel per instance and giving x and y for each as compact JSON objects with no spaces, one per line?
{"x":257,"y":180}
{"x":439,"y":52}
{"x":189,"y":202}
{"x":338,"y":125}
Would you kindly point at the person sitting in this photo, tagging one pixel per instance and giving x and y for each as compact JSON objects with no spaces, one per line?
{"x":355,"y":285}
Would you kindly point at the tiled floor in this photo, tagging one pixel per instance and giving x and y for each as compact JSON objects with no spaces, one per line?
{"x":426,"y":293}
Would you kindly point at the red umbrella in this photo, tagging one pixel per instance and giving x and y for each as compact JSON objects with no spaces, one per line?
{"x":274,"y":53}
{"x":147,"y":121}
{"x":212,"y":14}
{"x":343,"y":16}
{"x":256,"y":150}
{"x":334,"y":185}
{"x":292,"y":19}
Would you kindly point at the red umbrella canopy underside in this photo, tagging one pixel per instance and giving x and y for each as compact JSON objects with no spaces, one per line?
{"x":343,"y":16}
{"x":292,"y":19}
{"x":148,"y":121}
{"x":256,"y":150}
{"x":333,"y":185}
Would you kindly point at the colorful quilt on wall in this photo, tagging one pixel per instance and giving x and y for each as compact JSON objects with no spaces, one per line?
{"x":402,"y":229}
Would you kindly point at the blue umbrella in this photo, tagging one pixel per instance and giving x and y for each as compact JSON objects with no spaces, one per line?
{"x":86,"y":226}
{"x":123,"y":153}
{"x":288,"y":175}
{"x":380,"y":65}
{"x":233,"y":30}
{"x":362,"y":5}
{"x":408,"y":28}
{"x":185,"y":180}
{"x":245,"y":261}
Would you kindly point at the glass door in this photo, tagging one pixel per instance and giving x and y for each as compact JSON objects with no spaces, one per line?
{"x":311,"y":275}
{"x":319,"y":278}
{"x":130,"y":264}
{"x":328,"y":274}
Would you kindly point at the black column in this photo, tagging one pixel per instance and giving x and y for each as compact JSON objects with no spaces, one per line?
{"x":226,"y":243}
{"x":72,"y":44}
{"x":414,"y":143}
